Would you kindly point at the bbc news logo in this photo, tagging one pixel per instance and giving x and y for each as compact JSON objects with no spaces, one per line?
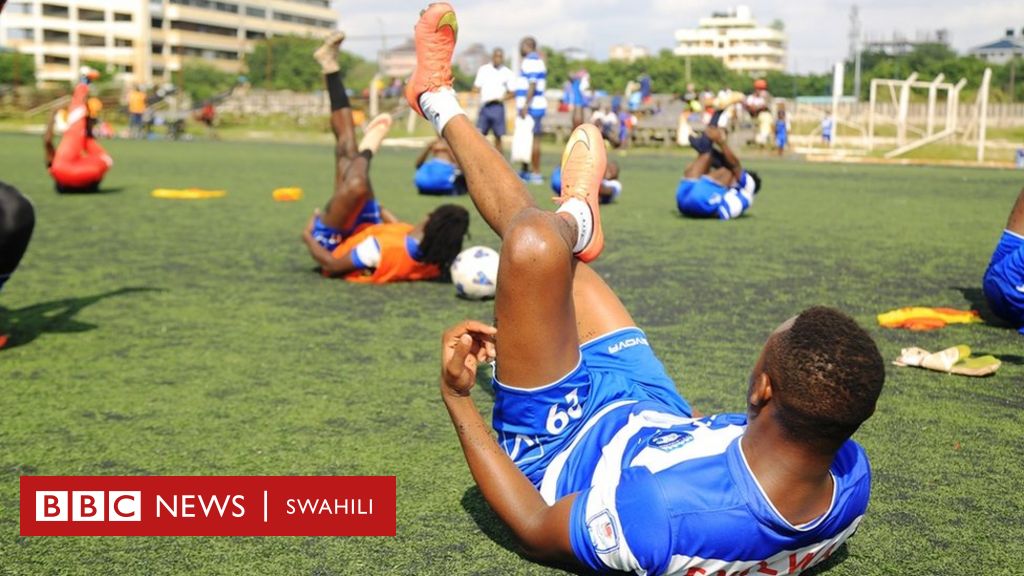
{"x":89,"y":506}
{"x":208,"y":506}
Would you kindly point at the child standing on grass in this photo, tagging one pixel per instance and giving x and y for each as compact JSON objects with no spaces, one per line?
{"x":781,"y":129}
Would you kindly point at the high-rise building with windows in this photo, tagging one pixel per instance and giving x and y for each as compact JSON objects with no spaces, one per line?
{"x":735,"y":38}
{"x":148,"y":40}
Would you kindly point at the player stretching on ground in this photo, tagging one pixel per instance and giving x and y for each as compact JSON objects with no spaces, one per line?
{"x":79,"y":163}
{"x":1004,"y":279}
{"x":715,"y":185}
{"x":437,"y":172}
{"x":354,"y":237}
{"x":600,"y":463}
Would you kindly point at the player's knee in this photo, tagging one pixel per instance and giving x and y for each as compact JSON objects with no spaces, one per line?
{"x":532,"y":243}
{"x":357,"y":183}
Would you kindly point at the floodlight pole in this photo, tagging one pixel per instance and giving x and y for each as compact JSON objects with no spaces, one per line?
{"x":871,"y":113}
{"x":837,"y":93}
{"x":986,"y":80}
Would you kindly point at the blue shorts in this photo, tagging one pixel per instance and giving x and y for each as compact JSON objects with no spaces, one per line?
{"x":492,"y":119}
{"x":534,"y":425}
{"x":575,"y":97}
{"x":781,"y":138}
{"x":435,"y":177}
{"x":1004,"y":280}
{"x":538,"y":116}
{"x":699,"y":198}
{"x":556,"y":180}
{"x":330,"y":238}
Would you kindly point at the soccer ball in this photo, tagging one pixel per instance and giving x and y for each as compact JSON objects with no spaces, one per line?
{"x":475,"y":273}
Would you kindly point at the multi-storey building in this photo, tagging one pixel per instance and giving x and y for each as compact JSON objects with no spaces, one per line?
{"x":1001,"y":51}
{"x":735,"y":38}
{"x":148,"y":40}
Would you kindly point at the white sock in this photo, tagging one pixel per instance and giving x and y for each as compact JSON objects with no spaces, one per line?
{"x":439,"y":107}
{"x":580,"y":211}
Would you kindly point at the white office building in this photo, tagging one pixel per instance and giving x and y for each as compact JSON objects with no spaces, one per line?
{"x":735,"y":38}
{"x":147,"y":40}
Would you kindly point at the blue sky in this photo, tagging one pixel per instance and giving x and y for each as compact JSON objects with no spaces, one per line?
{"x":817,"y":28}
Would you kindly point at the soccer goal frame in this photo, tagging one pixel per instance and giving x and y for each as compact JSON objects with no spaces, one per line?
{"x":899,"y":94}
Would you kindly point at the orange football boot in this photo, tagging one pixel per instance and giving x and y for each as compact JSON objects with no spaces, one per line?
{"x":583,"y":165}
{"x":435,"y":35}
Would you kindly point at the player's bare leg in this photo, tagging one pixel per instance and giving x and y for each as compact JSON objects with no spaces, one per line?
{"x":698,"y":167}
{"x":498,"y":192}
{"x":352,"y":188}
{"x":544,"y":293}
{"x":351,"y":170}
{"x":500,"y":195}
{"x":1015,"y":223}
{"x":704,"y":145}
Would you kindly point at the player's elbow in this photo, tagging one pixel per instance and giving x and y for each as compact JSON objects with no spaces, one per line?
{"x":537,"y":550}
{"x":535,"y":540}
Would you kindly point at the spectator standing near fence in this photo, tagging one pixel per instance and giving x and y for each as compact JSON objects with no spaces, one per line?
{"x":492,"y":83}
{"x":136,"y":111}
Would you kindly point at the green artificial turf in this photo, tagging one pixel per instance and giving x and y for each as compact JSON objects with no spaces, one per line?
{"x":177,"y":338}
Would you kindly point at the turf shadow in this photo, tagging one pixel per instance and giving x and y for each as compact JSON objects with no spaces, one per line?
{"x":1015,"y":359}
{"x":97,"y":192}
{"x":473,"y":502}
{"x":976,"y":296}
{"x":834,"y":560}
{"x":26,"y":324}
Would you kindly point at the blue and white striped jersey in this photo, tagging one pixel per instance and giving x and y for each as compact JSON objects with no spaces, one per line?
{"x":705,"y":198}
{"x":532,"y":70}
{"x":662,"y":493}
{"x":738,"y":199}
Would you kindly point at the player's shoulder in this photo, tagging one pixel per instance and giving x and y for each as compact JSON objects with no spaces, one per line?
{"x":851,"y":463}
{"x":533,"y":63}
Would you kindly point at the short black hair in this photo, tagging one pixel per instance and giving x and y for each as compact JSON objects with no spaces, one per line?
{"x":826,"y":375}
{"x":757,"y":180}
{"x":442,"y":236}
{"x":528,"y":42}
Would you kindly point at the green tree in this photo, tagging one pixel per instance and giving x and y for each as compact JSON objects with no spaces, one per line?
{"x":17,"y":68}
{"x":557,"y":65}
{"x":202,"y":81}
{"x":463,"y":82}
{"x":930,"y":60}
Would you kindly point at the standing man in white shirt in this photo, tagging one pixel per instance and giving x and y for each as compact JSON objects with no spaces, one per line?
{"x":492,"y":83}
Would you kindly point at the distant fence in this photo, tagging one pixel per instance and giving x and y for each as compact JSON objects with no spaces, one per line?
{"x":265,"y":103}
{"x":1003,"y":115}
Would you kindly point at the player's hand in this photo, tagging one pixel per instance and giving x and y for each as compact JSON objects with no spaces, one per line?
{"x":522,"y":113}
{"x":716,"y":134}
{"x":463,"y":347}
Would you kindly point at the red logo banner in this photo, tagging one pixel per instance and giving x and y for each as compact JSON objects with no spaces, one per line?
{"x":208,"y":505}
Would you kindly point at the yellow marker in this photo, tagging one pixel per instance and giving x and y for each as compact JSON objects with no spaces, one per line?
{"x":288,"y":194}
{"x":187,"y":194}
